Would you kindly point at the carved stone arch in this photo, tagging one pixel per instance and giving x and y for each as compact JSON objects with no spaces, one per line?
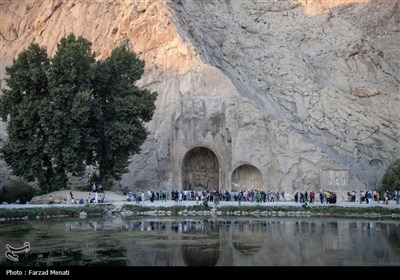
{"x":247,"y":177}
{"x":200,"y":169}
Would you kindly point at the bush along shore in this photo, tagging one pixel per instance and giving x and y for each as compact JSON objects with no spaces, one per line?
{"x":99,"y":210}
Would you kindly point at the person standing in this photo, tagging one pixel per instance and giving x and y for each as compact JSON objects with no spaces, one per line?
{"x":312,"y":197}
{"x":72,"y":197}
{"x":205,"y":203}
{"x":94,"y":189}
{"x":362,"y":196}
{"x":321,"y":197}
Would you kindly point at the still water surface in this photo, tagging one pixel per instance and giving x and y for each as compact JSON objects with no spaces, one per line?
{"x":206,"y":242}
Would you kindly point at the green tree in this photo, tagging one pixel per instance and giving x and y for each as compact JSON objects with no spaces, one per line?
{"x":24,"y":99}
{"x":120,"y":112}
{"x":391,"y":178}
{"x":70,"y":111}
{"x":66,"y":116}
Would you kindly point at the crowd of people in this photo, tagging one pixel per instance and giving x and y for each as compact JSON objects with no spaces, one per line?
{"x":205,"y":196}
{"x":191,"y":195}
{"x":368,"y":196}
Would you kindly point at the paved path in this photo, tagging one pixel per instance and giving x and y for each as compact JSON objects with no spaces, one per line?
{"x":119,"y":199}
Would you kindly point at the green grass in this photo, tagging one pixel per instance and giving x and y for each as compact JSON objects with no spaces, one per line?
{"x":50,"y":212}
{"x":98,"y":210}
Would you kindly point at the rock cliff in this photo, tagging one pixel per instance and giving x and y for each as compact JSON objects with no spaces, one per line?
{"x":287,"y":95}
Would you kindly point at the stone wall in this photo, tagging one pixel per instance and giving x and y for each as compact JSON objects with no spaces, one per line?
{"x":287,"y":89}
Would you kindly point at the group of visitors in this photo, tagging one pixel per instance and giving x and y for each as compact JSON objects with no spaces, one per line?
{"x":99,"y":195}
{"x":191,"y":195}
{"x":375,"y":196}
{"x":323,"y":197}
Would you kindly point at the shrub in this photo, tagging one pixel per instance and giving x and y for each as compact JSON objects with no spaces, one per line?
{"x":391,"y":178}
{"x":17,"y":190}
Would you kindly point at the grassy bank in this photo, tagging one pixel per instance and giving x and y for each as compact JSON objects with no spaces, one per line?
{"x":49,"y":212}
{"x":199,"y":210}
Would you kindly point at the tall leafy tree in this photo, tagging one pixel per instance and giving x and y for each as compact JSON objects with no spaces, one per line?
{"x":70,"y":111}
{"x":67,"y":114}
{"x":120,"y":112}
{"x":22,"y":103}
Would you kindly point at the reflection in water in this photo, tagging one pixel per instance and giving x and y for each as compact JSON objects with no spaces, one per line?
{"x":200,"y":254}
{"x":198,"y":242}
{"x":68,"y":243}
{"x":201,"y":247}
{"x":248,"y":238}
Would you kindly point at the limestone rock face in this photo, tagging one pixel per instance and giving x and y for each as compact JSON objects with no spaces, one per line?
{"x":289,"y":95}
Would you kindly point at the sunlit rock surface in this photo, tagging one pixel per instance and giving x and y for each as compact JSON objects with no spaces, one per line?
{"x":287,"y":96}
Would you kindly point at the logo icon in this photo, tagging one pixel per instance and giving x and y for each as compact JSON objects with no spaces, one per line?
{"x":12,"y":253}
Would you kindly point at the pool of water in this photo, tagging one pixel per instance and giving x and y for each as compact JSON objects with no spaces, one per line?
{"x":202,"y":242}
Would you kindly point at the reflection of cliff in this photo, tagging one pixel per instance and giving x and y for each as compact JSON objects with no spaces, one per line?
{"x":204,"y":254}
{"x":68,"y":243}
{"x":248,"y":239}
{"x":246,"y":247}
{"x":201,"y":245}
{"x":272,"y":242}
{"x":288,"y":242}
{"x":306,"y":242}
{"x":108,"y":256}
{"x":196,"y":242}
{"x":394,"y":241}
